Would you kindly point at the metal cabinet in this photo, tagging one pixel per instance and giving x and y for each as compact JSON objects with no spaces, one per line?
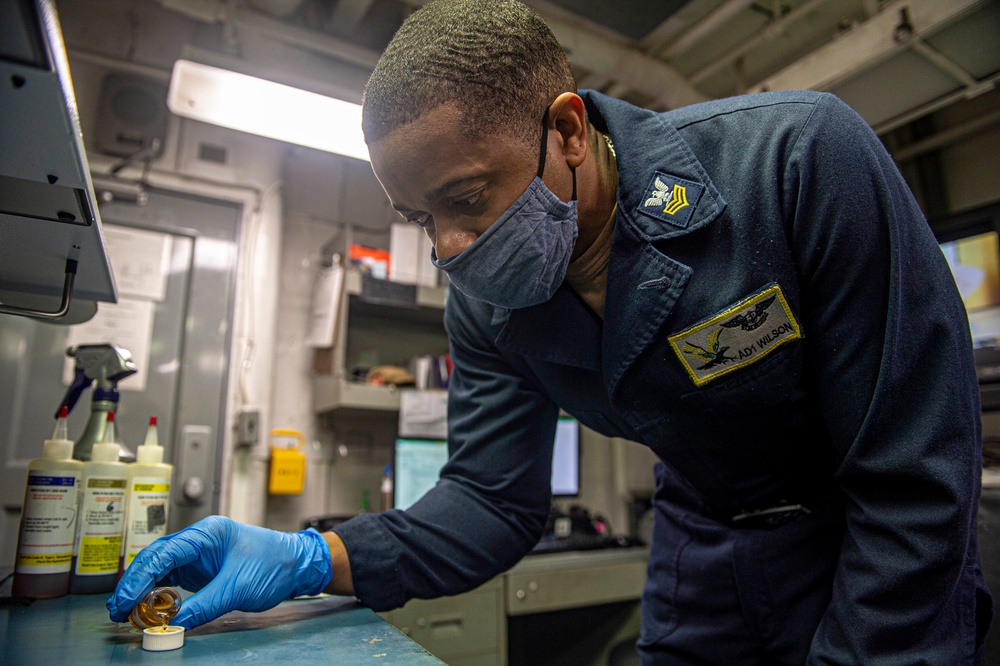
{"x":549,"y":610}
{"x":465,"y":630}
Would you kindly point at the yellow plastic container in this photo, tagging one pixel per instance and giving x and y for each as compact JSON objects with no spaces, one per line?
{"x":288,"y":464}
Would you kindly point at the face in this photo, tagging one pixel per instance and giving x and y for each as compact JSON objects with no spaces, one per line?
{"x":452,"y":185}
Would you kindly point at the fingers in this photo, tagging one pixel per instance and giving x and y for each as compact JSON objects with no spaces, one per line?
{"x":214,"y":600}
{"x":162,"y":559}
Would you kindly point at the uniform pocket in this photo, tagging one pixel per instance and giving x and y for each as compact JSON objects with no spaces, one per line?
{"x":670,"y":539}
{"x":769,"y":382}
{"x":978,"y":612}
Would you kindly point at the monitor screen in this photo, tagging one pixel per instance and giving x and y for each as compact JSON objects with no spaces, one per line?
{"x":975,"y":264}
{"x":418,"y":464}
{"x":417,"y":468}
{"x":566,"y":459}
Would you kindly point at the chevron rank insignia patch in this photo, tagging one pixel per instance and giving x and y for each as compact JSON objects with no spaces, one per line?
{"x":742,"y":334}
{"x":671,"y":199}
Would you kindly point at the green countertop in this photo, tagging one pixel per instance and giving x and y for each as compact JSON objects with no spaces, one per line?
{"x":75,"y":629}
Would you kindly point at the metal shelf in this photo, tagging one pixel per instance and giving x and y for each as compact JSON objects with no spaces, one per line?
{"x":421,"y":329}
{"x":427,"y":297}
{"x":331,"y":392}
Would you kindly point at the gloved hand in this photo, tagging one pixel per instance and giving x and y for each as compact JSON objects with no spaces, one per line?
{"x":229,"y":565}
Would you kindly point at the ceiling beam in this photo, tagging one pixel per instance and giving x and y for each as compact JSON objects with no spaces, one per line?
{"x":660,"y":38}
{"x":310,"y":40}
{"x":947,"y":137}
{"x":867,"y":45}
{"x":625,"y":65}
{"x":593,"y":50}
{"x":704,"y":28}
{"x":347,"y":15}
{"x":771,"y":31}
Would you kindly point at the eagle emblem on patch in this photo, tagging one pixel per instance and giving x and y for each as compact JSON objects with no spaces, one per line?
{"x":740,"y":335}
{"x":671,"y":199}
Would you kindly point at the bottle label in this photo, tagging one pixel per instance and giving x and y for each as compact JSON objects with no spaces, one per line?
{"x":48,"y":523}
{"x":102,"y":518}
{"x":148,"y":502}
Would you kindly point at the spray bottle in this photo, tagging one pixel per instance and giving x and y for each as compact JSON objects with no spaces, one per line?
{"x":102,"y":518}
{"x":48,"y":519}
{"x":106,"y":365}
{"x":148,"y":496}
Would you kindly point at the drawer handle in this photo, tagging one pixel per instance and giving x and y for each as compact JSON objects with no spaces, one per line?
{"x":450,"y":625}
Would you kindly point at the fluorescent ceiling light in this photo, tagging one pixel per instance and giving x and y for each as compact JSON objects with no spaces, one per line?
{"x":248,"y":104}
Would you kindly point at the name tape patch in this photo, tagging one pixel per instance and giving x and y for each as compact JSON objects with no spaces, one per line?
{"x":671,"y":199}
{"x":740,"y":335}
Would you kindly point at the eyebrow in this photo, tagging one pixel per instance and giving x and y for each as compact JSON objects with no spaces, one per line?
{"x":439,"y":192}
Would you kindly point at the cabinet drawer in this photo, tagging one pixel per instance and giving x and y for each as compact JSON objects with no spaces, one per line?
{"x":457,"y":626}
{"x":557,"y":589}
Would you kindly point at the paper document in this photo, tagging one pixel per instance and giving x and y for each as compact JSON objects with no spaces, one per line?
{"x":325,"y":306}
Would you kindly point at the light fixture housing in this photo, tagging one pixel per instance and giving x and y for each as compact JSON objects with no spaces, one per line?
{"x":266,"y":108}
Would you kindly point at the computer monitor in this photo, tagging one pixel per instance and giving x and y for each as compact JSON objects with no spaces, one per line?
{"x":975,"y":263}
{"x":566,"y":459}
{"x":416,"y":470}
{"x":418,"y":464}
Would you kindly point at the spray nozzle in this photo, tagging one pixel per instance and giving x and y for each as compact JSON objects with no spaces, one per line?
{"x":105,"y":364}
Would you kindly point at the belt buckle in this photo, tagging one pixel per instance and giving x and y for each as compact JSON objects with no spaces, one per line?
{"x":770,"y":518}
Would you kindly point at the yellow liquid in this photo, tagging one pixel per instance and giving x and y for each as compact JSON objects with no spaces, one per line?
{"x":156,"y":609}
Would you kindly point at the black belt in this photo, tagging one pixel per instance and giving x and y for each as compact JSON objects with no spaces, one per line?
{"x":769,"y":518}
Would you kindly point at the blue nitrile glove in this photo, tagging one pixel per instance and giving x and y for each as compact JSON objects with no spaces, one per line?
{"x":229,"y":565}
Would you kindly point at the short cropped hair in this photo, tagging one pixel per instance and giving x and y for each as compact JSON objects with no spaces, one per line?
{"x":496,"y":59}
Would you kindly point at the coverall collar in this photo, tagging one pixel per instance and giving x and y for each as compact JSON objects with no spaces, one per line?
{"x":643,"y":283}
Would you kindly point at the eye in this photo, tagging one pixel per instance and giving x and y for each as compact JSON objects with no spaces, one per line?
{"x":423,"y":220}
{"x":467,"y":202}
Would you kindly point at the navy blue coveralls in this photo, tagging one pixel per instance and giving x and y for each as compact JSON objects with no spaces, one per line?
{"x":781,"y":328}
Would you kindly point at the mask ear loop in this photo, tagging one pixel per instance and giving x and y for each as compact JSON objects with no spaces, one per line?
{"x":541,"y":155}
{"x":545,"y":142}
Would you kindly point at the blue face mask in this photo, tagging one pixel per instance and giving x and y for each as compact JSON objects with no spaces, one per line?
{"x":521,"y":259}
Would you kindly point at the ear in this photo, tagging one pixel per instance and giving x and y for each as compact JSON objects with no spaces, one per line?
{"x":568,"y":121}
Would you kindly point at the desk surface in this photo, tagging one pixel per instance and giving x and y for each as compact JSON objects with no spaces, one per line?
{"x":329,"y":630}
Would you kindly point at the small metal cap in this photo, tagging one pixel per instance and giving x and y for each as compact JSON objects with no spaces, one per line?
{"x":160,"y":639}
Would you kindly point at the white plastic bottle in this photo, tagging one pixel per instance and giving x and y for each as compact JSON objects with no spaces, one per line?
{"x":385,"y":489}
{"x":48,"y":519}
{"x":148,"y":496}
{"x":96,"y":557}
